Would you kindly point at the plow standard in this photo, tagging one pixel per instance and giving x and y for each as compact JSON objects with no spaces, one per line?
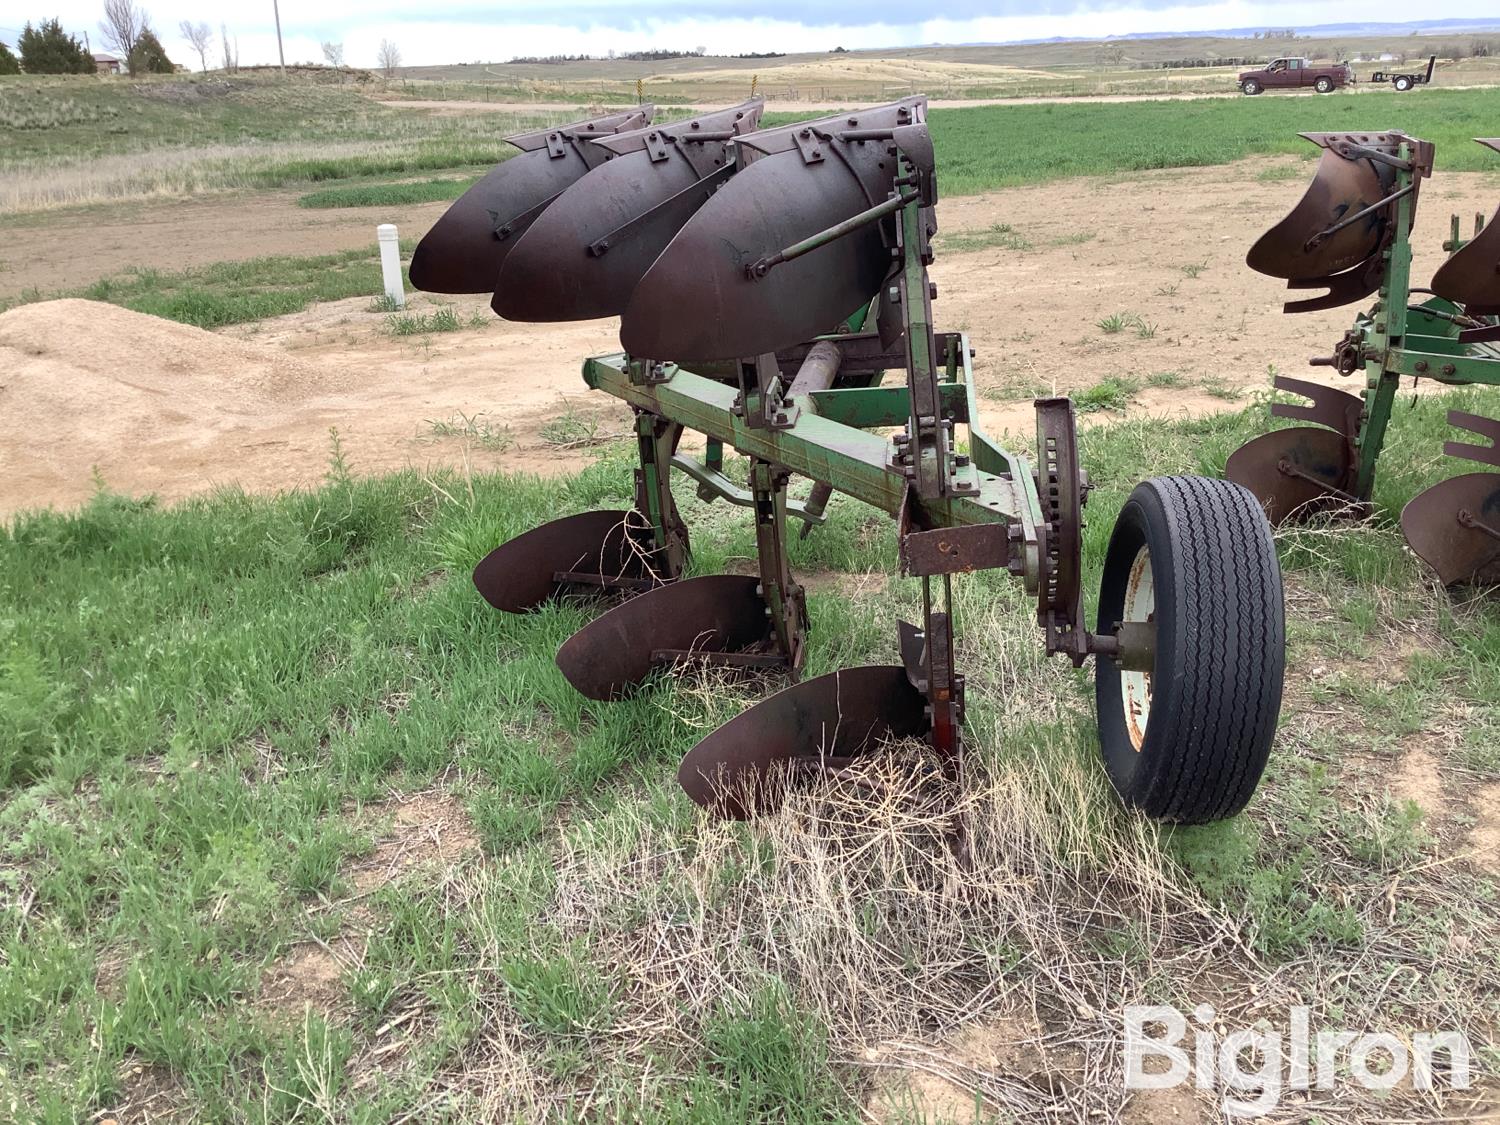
{"x":768,"y":280}
{"x":1350,"y":235}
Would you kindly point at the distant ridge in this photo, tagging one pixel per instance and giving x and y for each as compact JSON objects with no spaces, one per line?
{"x":1460,"y":26}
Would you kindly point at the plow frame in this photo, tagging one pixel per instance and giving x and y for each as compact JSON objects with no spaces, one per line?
{"x":814,"y":410}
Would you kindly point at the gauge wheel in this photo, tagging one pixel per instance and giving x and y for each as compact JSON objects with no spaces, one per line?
{"x":1187,"y":740}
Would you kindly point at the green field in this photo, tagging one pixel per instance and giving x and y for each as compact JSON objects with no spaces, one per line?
{"x":210,"y":715}
{"x":66,"y":143}
{"x":1000,"y":146}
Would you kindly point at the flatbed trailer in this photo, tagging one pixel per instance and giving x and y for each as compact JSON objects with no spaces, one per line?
{"x":1404,"y":80}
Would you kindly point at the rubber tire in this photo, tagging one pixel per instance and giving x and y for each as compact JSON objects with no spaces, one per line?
{"x":1402,"y":84}
{"x":1323,"y":85}
{"x":1251,"y":86}
{"x":1220,"y":649}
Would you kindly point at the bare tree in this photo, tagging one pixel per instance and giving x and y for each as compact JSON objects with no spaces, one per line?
{"x":388,"y":58}
{"x":231,"y":53}
{"x":333,"y":54}
{"x":201,"y":36}
{"x":122,"y":26}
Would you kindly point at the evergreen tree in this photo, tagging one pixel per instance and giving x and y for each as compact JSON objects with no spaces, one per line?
{"x":48,"y":49}
{"x":149,"y":57}
{"x":8,"y":63}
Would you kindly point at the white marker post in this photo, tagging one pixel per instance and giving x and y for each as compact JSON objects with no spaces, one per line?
{"x":390,"y":263}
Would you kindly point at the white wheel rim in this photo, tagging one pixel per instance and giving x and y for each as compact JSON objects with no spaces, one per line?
{"x":1135,"y":687}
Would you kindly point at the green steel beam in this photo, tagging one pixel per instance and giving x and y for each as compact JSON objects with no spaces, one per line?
{"x":854,"y":462}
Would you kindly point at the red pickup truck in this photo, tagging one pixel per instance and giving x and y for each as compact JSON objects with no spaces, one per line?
{"x":1293,"y":74}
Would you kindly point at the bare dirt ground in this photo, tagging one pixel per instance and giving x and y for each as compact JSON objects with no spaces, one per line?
{"x":1167,"y":248}
{"x":72,"y":249}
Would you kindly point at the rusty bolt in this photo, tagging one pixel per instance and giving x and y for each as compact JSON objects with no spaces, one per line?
{"x":1449,"y":369}
{"x":1421,"y":365}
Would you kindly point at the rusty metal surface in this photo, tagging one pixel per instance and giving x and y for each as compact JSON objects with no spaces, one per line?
{"x":1340,"y":187}
{"x":523,"y":573}
{"x":1331,"y":407}
{"x":614,"y":653}
{"x":746,"y":765}
{"x":1061,"y":488}
{"x":1487,"y":428}
{"x":465,"y":248}
{"x":1454,"y":527}
{"x":1471,"y":277}
{"x":1334,"y":237}
{"x":584,"y":255}
{"x":1295,"y":472}
{"x":696,"y":302}
{"x":954,"y":550}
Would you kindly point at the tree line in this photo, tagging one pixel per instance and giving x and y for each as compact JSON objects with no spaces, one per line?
{"x":46,"y":48}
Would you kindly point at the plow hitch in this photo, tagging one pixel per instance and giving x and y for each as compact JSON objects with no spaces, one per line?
{"x":768,"y":282}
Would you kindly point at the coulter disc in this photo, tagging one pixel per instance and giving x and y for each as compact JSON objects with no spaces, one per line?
{"x":523,"y":573}
{"x":1267,"y":466}
{"x":1457,"y":550}
{"x":745,"y":766}
{"x":463,"y":251}
{"x":616,"y":651}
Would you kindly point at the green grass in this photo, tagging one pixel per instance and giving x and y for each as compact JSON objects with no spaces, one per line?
{"x":1104,"y":139}
{"x":477,"y":429}
{"x":203,"y":708}
{"x":1112,"y":394}
{"x":1002,"y":235}
{"x":387,"y":195}
{"x":195,"y":135}
{"x":425,"y":324}
{"x":237,"y":292}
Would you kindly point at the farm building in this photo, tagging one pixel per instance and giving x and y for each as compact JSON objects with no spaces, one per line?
{"x":108,"y":64}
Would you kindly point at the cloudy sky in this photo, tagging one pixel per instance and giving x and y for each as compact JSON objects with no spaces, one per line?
{"x":449,"y":31}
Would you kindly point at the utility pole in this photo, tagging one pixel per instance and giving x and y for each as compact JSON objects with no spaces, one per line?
{"x":280,"y":53}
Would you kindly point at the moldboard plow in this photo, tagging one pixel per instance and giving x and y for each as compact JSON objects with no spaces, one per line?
{"x":1350,"y":235}
{"x":768,"y":280}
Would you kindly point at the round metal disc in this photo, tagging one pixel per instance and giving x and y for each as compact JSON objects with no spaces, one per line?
{"x":550,"y":274}
{"x":695,"y":302}
{"x":613,"y":653}
{"x":744,"y":767}
{"x":1341,"y":187}
{"x":520,"y":574}
{"x":1320,"y":453}
{"x":1457,"y":553}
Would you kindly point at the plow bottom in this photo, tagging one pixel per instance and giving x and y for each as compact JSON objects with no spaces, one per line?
{"x":590,"y":551}
{"x":718,"y":618}
{"x":746,"y":766}
{"x":1295,"y":472}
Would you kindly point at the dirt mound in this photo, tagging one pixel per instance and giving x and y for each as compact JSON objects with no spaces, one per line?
{"x":85,"y":384}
